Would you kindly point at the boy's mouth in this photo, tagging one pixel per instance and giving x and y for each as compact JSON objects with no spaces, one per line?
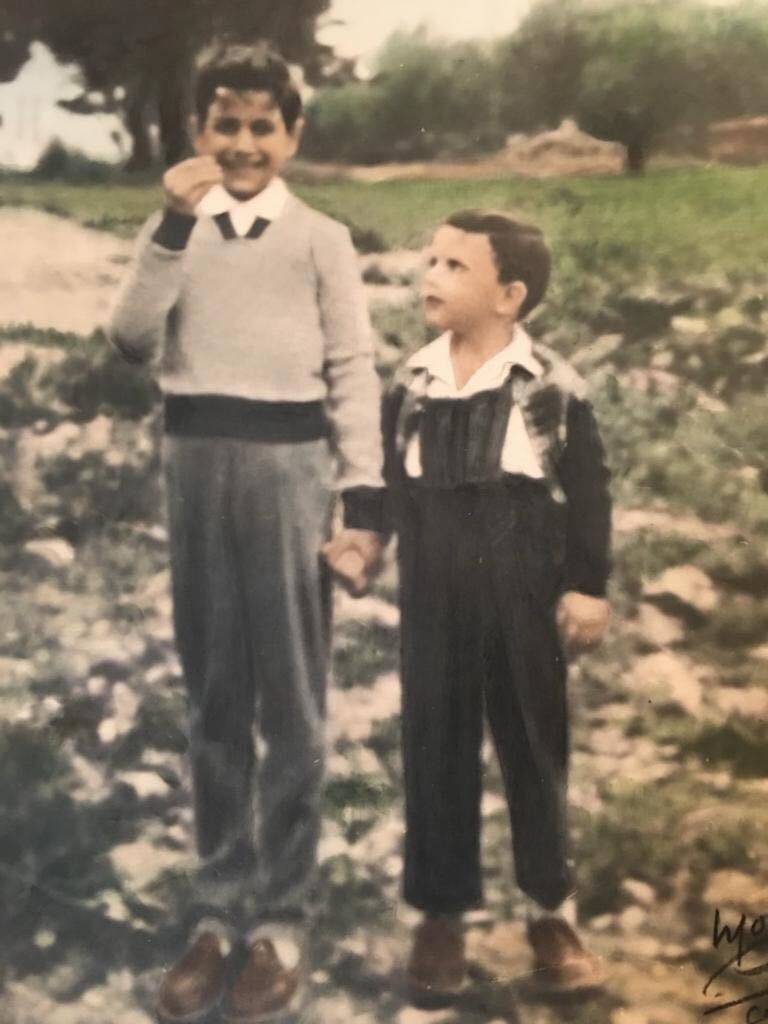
{"x":432,"y":302}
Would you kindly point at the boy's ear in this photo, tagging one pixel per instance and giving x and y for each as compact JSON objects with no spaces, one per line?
{"x":296,"y":131}
{"x":513,"y":297}
{"x":193,"y":129}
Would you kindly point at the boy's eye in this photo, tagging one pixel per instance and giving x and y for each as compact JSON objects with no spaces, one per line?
{"x":262,"y":127}
{"x":454,"y":264}
{"x":432,"y":261}
{"x":227,"y":126}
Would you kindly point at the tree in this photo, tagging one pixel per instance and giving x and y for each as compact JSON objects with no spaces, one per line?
{"x":147,"y":47}
{"x":426,"y":98}
{"x":633,"y":73}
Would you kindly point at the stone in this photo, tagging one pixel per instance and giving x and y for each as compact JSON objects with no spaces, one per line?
{"x":492,"y":804}
{"x":367,"y":609}
{"x":353,"y":712}
{"x":126,"y":705}
{"x":146,"y":784}
{"x":45,"y":938}
{"x":114,"y":905}
{"x":691,"y":326}
{"x":16,"y":671}
{"x":140,"y":863}
{"x":656,"y":628}
{"x":752,"y":701}
{"x":671,"y":677}
{"x":760,"y":652}
{"x":597,"y":351}
{"x":736,"y":889}
{"x":683,"y":587}
{"x":54,"y":551}
{"x":632,"y":918}
{"x":639,"y":892}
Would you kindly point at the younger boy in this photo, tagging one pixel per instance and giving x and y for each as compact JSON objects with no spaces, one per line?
{"x":255,"y":305}
{"x":500,"y":499}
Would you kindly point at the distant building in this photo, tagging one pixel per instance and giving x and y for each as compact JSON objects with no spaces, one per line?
{"x":31,"y":119}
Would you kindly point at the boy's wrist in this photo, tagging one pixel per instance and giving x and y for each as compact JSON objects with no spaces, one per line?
{"x":363,"y":508}
{"x":174,"y":229}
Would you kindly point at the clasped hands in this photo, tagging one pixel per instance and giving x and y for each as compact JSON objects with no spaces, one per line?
{"x":354,"y":556}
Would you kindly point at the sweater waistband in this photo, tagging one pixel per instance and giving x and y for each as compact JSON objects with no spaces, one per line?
{"x":244,"y":418}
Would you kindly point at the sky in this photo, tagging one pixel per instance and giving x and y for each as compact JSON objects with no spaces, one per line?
{"x":366,"y":24}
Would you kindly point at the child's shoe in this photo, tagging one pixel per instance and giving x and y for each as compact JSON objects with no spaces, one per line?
{"x":193,"y":987}
{"x":437,"y":968}
{"x":270,"y":985}
{"x":561,"y":964}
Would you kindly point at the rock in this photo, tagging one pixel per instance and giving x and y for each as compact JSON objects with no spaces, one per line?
{"x":736,"y":889}
{"x":602,"y":923}
{"x":632,"y":918}
{"x":690,"y":326}
{"x":45,"y":938}
{"x":138,"y":864}
{"x":650,"y":381}
{"x":108,"y":730}
{"x":146,"y":784}
{"x":641,"y":947}
{"x":16,"y":671}
{"x":639,"y":892}
{"x":673,"y":677}
{"x":597,"y":351}
{"x":353,"y":712}
{"x":54,"y":551}
{"x":760,"y":652}
{"x":627,"y":1015}
{"x":126,"y":705}
{"x":367,"y":609}
{"x":492,"y":804}
{"x":114,"y":906}
{"x":752,"y":701}
{"x":682,"y":589}
{"x":656,"y":628}
{"x":709,"y":403}
{"x":412,"y":1015}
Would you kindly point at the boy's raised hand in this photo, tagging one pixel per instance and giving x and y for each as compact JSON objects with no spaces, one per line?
{"x":186,"y":183}
{"x":582,"y":620}
{"x":354,"y":557}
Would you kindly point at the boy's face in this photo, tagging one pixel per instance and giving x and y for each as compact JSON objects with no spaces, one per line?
{"x":460,"y":288}
{"x":246,"y":133}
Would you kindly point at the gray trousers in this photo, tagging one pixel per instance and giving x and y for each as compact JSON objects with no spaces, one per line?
{"x":251,"y":608}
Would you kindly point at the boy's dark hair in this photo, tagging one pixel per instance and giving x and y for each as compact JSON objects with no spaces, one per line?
{"x":519,"y":249}
{"x":242,"y":67}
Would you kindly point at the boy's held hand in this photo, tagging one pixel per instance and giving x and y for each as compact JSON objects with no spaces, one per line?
{"x":582,"y":621}
{"x":354,"y":557}
{"x":186,"y":183}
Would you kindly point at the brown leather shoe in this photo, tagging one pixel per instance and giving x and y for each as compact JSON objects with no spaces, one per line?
{"x":436,"y":970}
{"x":195,"y":984}
{"x":561,"y":963}
{"x":265,"y":989}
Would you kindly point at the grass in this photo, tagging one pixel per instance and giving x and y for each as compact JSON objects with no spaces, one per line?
{"x":674,"y":222}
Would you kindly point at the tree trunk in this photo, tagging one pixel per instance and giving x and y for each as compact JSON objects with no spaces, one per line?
{"x":136,"y":123}
{"x":173,"y":109}
{"x":636,"y":158}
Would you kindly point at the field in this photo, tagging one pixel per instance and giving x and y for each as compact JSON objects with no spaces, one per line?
{"x":659,"y":298}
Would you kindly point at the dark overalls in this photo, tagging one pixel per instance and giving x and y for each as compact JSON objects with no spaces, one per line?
{"x":483,"y":560}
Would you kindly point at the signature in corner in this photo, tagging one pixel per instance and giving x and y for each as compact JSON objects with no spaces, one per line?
{"x":740,"y":942}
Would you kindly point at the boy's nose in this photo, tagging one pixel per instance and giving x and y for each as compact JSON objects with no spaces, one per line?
{"x":244,"y":141}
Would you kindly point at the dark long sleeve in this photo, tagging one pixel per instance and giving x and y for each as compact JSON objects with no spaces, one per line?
{"x":585,"y":478}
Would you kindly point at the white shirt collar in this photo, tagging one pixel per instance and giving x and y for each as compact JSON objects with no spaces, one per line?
{"x":268,"y":203}
{"x":435,"y":358}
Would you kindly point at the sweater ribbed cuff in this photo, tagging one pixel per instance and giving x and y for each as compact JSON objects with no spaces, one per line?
{"x":364,"y":508}
{"x":174,"y":230}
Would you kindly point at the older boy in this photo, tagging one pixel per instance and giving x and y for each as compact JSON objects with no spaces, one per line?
{"x":502,"y":508}
{"x":254,"y":303}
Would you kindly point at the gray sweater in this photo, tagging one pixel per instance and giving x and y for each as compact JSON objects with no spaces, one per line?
{"x":279,"y":318}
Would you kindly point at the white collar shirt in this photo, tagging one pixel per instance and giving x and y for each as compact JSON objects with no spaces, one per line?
{"x":517,"y":454}
{"x":269,"y":204}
